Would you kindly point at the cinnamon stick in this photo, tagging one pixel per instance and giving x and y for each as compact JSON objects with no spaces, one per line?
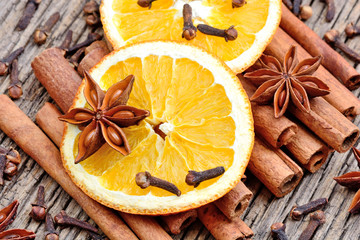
{"x":57,"y":76}
{"x":47,"y":119}
{"x":220,"y":226}
{"x":234,"y":203}
{"x":177,"y":222}
{"x":276,"y":131}
{"x":340,"y":97}
{"x":145,"y":227}
{"x":34,"y":142}
{"x":332,"y":60}
{"x":274,"y":169}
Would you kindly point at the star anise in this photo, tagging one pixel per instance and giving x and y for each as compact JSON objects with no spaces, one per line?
{"x":291,"y":80}
{"x":108,"y":115}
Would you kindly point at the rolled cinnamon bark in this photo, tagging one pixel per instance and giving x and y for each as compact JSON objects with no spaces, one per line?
{"x":340,"y":97}
{"x":220,"y":226}
{"x":145,"y":227}
{"x":50,"y":125}
{"x":274,"y":169}
{"x":308,"y":149}
{"x":276,"y":131}
{"x":177,"y":222}
{"x":332,"y":60}
{"x":93,"y":54}
{"x":328,"y":124}
{"x":234,"y":203}
{"x":35,"y":143}
{"x":57,"y":76}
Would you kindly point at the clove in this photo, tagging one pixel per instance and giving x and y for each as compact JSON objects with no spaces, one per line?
{"x":11,"y":155}
{"x":93,"y":19}
{"x":64,"y":220}
{"x":144,"y":180}
{"x":92,"y":10}
{"x":288,"y":4}
{"x":6,"y":62}
{"x":51,"y":233}
{"x":10,"y":170}
{"x":67,"y":41}
{"x":76,"y":58}
{"x":29,"y":11}
{"x":332,"y":37}
{"x":38,"y":210}
{"x":189,"y":30}
{"x":278,"y":231}
{"x":41,"y":34}
{"x":238,"y":3}
{"x":316,"y":219}
{"x":194,"y":178}
{"x":145,"y":3}
{"x":305,"y":12}
{"x":15,"y":90}
{"x":2,"y":168}
{"x":298,"y":211}
{"x":296,"y":7}
{"x":330,"y":14}
{"x":91,"y":7}
{"x":92,"y":37}
{"x":352,"y":30}
{"x":229,"y":34}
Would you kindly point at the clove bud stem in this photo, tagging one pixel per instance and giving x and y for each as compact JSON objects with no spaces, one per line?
{"x":288,"y":4}
{"x":29,"y":11}
{"x":92,"y":10}
{"x":78,"y":55}
{"x":194,"y":178}
{"x":67,"y":41}
{"x":144,"y":180}
{"x":333,"y":37}
{"x":38,"y":210}
{"x":278,"y":231}
{"x":189,"y":30}
{"x":2,"y":168}
{"x":41,"y":34}
{"x":11,"y":155}
{"x":298,"y":211}
{"x":316,"y":219}
{"x":330,"y":14}
{"x":15,"y":90}
{"x":92,"y":37}
{"x":145,"y":3}
{"x":64,"y":220}
{"x":296,"y":7}
{"x":51,"y":233}
{"x":229,"y":34}
{"x":6,"y":62}
{"x":352,"y":30}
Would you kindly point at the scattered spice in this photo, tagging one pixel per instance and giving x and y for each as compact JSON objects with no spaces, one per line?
{"x":350,"y":180}
{"x":108,"y":115}
{"x":298,"y":211}
{"x":15,"y":90}
{"x":332,"y":37}
{"x":296,"y":7}
{"x":11,"y":155}
{"x":10,"y":170}
{"x":8,"y":215}
{"x":29,"y":11}
{"x":278,"y":231}
{"x":92,"y":10}
{"x":9,"y":159}
{"x":305,"y":12}
{"x":145,"y":3}
{"x":229,"y":34}
{"x":67,"y":40}
{"x":290,"y":80}
{"x":355,"y":203}
{"x":17,"y":234}
{"x":351,"y":30}
{"x":194,"y":178}
{"x":144,"y":180}
{"x":95,"y":236}
{"x":356,"y":153}
{"x":316,"y":219}
{"x":76,"y":58}
{"x":2,"y":168}
{"x":51,"y":233}
{"x":238,"y":3}
{"x":38,"y":210}
{"x":189,"y":30}
{"x":92,"y":37}
{"x":63,"y":219}
{"x":41,"y":34}
{"x":330,"y":14}
{"x":6,"y":62}
{"x":288,"y":4}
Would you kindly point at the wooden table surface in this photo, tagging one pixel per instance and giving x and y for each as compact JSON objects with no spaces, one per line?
{"x":264,"y":208}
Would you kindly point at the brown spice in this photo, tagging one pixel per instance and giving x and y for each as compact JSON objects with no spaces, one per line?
{"x":351,"y":30}
{"x":51,"y":233}
{"x":189,"y":30}
{"x":288,"y":4}
{"x":64,"y":220}
{"x":2,"y":168}
{"x":41,"y":34}
{"x":278,"y":231}
{"x":38,"y":210}
{"x":6,"y":62}
{"x":15,"y":90}
{"x":67,"y":40}
{"x":305,"y":12}
{"x":8,"y":215}
{"x":229,"y":34}
{"x":77,"y":56}
{"x":144,"y":180}
{"x":332,"y":37}
{"x":350,"y":180}
{"x":296,"y":7}
{"x":316,"y":219}
{"x":92,"y":10}
{"x":145,"y":3}
{"x":330,"y":14}
{"x":238,"y":3}
{"x":29,"y":11}
{"x":298,"y":211}
{"x":92,"y":37}
{"x":194,"y":178}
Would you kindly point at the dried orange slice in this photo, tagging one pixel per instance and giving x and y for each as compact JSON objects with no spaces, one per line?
{"x":126,"y":22}
{"x":202,"y":109}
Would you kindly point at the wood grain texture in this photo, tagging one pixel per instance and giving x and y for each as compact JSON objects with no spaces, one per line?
{"x":264,"y":208}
